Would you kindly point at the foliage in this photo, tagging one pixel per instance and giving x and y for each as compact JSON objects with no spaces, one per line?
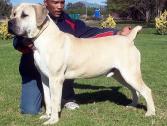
{"x":137,"y":9}
{"x":4,"y":31}
{"x":5,"y":8}
{"x":161,"y":23}
{"x":81,"y":11}
{"x":108,"y":22}
{"x":80,"y":8}
{"x":146,"y":8}
{"x":75,"y":5}
{"x":118,"y":5}
{"x":75,"y":8}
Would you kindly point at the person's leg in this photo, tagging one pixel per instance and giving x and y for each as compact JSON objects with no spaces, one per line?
{"x":32,"y":92}
{"x":68,"y":91}
{"x":31,"y":96}
{"x":68,"y":95}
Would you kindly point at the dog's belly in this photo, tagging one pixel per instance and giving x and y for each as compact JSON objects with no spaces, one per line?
{"x":87,"y":72}
{"x":75,"y":75}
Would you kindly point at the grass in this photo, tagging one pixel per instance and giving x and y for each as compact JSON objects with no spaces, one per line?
{"x":102,"y":101}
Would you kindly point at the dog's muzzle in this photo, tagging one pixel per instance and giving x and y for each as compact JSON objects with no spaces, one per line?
{"x":11,"y":26}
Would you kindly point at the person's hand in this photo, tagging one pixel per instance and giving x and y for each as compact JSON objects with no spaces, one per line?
{"x":27,"y":48}
{"x":125,"y":30}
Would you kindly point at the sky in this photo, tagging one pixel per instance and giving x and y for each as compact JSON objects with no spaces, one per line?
{"x":15,"y":2}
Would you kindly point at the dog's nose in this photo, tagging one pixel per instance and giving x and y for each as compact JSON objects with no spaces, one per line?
{"x":10,"y":23}
{"x":10,"y":26}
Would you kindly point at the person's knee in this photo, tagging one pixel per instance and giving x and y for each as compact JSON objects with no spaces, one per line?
{"x":32,"y":110}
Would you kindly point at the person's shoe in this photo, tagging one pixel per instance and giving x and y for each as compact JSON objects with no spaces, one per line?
{"x":71,"y":105}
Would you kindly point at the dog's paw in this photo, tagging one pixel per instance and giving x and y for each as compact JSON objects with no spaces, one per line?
{"x":150,"y":113}
{"x":51,"y":121}
{"x":45,"y":117}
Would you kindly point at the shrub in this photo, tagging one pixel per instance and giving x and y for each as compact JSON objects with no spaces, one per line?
{"x":108,"y":23}
{"x":161,"y":23}
{"x":4,"y":31}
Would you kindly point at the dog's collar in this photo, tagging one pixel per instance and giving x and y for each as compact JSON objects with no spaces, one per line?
{"x":42,"y":28}
{"x":45,"y":22}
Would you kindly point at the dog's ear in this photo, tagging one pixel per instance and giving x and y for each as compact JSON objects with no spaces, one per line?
{"x":12,"y":11}
{"x":41,"y":13}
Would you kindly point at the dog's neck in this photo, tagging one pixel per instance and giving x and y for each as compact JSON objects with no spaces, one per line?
{"x":49,"y":27}
{"x":41,"y":28}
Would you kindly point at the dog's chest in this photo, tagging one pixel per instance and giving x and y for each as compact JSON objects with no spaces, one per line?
{"x":40,"y":63}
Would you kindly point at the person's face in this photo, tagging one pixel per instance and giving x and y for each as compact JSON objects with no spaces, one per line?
{"x":55,"y":7}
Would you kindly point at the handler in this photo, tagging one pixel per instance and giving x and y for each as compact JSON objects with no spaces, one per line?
{"x":32,"y":91}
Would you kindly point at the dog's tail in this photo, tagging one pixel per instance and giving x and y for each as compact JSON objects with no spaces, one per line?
{"x":133,"y":33}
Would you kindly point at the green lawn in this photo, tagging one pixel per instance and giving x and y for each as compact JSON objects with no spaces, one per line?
{"x":102,"y":101}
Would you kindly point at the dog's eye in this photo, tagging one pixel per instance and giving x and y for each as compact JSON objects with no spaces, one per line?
{"x":14,"y":14}
{"x":23,"y":15}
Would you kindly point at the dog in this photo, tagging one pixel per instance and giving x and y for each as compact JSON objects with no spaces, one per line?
{"x":59,"y":56}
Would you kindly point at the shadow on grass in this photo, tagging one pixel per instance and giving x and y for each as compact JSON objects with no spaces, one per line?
{"x":111,"y":94}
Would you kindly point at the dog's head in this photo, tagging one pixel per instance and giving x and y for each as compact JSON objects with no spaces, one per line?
{"x":26,"y":19}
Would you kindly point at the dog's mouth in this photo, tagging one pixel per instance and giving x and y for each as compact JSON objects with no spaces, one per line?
{"x":15,"y":30}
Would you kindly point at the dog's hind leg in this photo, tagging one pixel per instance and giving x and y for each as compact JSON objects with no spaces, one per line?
{"x":117,"y":76}
{"x":134,"y":79}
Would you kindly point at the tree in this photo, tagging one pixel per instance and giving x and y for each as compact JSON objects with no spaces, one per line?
{"x":150,"y":8}
{"x":146,"y":9}
{"x":5,"y":8}
{"x":118,"y":5}
{"x":161,"y":5}
{"x":75,"y":5}
{"x":79,"y":8}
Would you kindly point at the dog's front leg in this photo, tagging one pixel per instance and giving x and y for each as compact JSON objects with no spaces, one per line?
{"x":55,"y":84}
{"x":47,"y":99}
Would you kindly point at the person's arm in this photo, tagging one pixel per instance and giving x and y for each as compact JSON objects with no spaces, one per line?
{"x":80,"y":30}
{"x":84,"y":31}
{"x":18,"y":45}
